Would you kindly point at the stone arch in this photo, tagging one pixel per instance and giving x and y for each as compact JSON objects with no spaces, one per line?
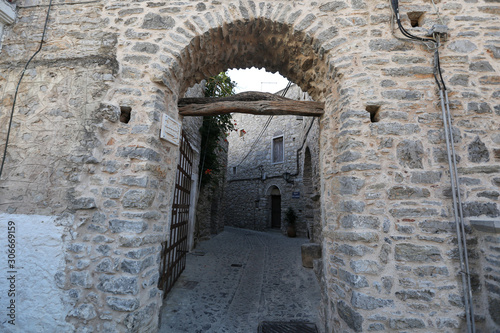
{"x":276,"y":45}
{"x":272,"y":187}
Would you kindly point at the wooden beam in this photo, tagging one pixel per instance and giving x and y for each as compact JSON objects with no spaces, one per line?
{"x":249,"y":102}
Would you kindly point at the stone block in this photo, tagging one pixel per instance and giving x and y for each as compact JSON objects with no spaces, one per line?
{"x":410,"y":154}
{"x":355,"y":236}
{"x":83,"y":203}
{"x":84,"y":311}
{"x":144,"y":154}
{"x":359,"y":222}
{"x":310,"y":251}
{"x":350,"y":185}
{"x":493,"y":195}
{"x":478,"y":152}
{"x":117,"y":226}
{"x":490,"y":79}
{"x":109,"y":112}
{"x":136,"y":266}
{"x":333,"y":6}
{"x":402,"y":192}
{"x":122,"y":304}
{"x":376,"y":327}
{"x":421,"y":295}
{"x":81,"y":279}
{"x":487,"y":169}
{"x":413,"y":212}
{"x":361,"y":167}
{"x":366,"y":302}
{"x":146,"y":47}
{"x":157,"y":22}
{"x":432,"y":271}
{"x":352,"y":318}
{"x":402,"y":94}
{"x":351,"y":206}
{"x":462,"y":46}
{"x":140,"y":318}
{"x":140,"y":199}
{"x":365,"y":266}
{"x":385,"y":251}
{"x":140,"y":253}
{"x":355,"y":281}
{"x":475,"y":208}
{"x":354,"y":250}
{"x":348,"y":156}
{"x":481,"y":66}
{"x":389,"y":45}
{"x":493,"y":306}
{"x":105,"y":266}
{"x":118,"y":285}
{"x":393,"y":129}
{"x":443,"y":323}
{"x":406,"y":323}
{"x":417,"y":253}
{"x":134,"y":181}
{"x":112,"y":192}
{"x":306,"y":22}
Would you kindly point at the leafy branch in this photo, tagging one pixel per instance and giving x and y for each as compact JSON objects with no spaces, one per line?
{"x":215,"y":129}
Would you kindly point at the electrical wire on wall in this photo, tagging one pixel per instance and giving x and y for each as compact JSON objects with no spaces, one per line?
{"x":452,"y":165}
{"x":17,"y":89}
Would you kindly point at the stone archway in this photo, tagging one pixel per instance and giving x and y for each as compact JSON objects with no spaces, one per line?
{"x":384,"y":194}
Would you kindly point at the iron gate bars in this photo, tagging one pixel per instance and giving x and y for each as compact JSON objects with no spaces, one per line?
{"x":174,"y":249}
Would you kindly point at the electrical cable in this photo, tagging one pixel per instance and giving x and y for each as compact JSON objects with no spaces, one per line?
{"x":455,"y":184}
{"x":17,"y":88}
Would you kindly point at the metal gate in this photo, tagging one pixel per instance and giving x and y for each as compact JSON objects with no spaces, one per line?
{"x":173,"y":256}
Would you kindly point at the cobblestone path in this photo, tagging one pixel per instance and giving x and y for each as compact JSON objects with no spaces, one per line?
{"x":243,"y":278}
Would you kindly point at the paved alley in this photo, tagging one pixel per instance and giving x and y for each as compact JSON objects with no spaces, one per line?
{"x":238,"y":279}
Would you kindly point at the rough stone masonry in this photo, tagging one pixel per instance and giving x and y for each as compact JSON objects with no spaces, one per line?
{"x":85,"y":161}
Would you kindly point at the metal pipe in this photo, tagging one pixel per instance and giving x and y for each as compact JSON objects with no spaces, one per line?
{"x":461,"y":217}
{"x":455,"y":209}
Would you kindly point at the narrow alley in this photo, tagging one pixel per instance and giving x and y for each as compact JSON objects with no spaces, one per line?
{"x":238,"y":279}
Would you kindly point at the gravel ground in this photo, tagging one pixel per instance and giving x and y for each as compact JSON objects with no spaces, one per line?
{"x":243,"y":277}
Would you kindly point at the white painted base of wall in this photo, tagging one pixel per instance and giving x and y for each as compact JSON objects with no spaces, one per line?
{"x":39,"y":255}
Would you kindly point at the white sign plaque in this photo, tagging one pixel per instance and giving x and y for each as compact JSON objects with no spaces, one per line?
{"x":170,"y":129}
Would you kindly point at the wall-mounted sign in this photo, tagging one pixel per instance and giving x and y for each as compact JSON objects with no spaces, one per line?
{"x":296,"y":195}
{"x":170,"y":129}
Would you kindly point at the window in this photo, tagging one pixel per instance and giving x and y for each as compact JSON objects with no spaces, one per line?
{"x":277,"y":151}
{"x":234,"y":170}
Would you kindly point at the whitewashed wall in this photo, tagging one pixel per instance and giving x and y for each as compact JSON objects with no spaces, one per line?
{"x":40,"y":304}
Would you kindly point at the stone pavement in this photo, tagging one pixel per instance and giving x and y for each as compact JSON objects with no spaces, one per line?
{"x":215,"y":295}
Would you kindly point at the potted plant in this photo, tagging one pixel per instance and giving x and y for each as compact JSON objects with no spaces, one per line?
{"x":290,"y":219}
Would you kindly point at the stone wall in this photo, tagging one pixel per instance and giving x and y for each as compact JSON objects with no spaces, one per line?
{"x":389,"y":249}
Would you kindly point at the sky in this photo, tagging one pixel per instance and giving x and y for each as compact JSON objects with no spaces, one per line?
{"x":254,"y":79}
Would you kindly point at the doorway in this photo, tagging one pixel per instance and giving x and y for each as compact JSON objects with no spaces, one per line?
{"x":275,"y":209}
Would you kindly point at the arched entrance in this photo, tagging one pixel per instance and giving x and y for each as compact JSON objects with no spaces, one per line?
{"x":384,"y":201}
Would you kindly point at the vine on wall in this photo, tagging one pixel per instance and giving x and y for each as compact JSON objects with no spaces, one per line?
{"x":215,"y":129}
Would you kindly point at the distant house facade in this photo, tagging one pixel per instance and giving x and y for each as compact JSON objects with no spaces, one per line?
{"x":272,"y":168}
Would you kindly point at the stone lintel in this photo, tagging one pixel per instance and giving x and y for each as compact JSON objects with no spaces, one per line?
{"x":7,"y":13}
{"x":486,"y":225}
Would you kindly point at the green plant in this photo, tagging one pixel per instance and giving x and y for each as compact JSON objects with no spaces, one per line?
{"x":215,"y":129}
{"x":290,"y":217}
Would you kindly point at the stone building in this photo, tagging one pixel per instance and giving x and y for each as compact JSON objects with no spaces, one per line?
{"x":89,"y":184}
{"x":272,"y":169}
